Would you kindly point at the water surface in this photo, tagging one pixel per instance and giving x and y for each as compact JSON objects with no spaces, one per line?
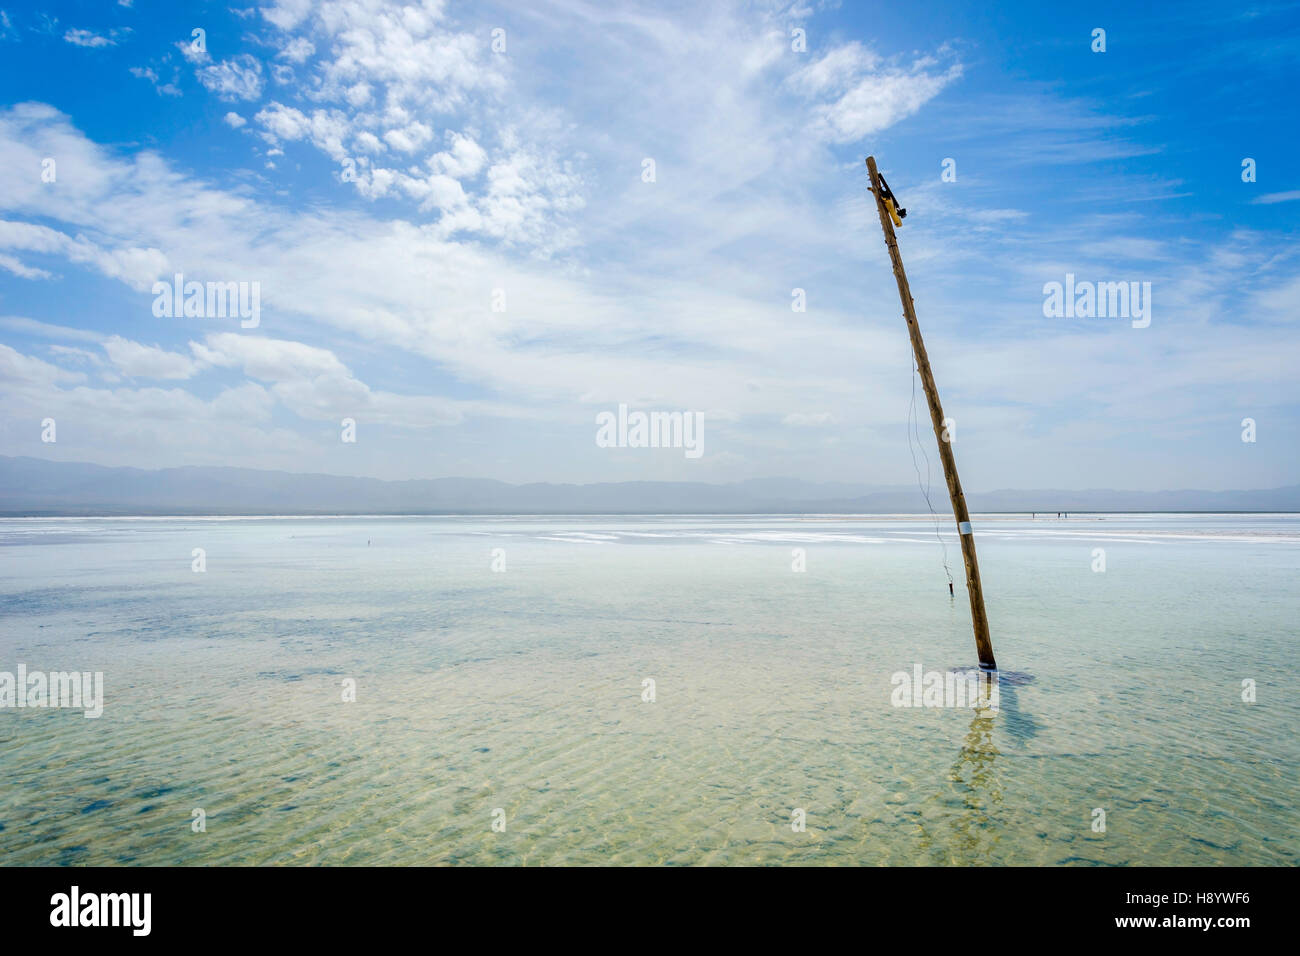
{"x":521,"y":690}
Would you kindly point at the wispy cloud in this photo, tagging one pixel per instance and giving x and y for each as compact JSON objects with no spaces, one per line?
{"x":88,"y":38}
{"x":1269,"y":199}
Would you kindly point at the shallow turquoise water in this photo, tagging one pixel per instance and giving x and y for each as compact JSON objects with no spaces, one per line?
{"x":521,"y":690}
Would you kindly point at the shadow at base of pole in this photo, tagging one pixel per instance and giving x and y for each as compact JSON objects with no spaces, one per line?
{"x":1015,"y":722}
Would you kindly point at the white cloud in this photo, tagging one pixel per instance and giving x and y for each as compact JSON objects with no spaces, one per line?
{"x":297,"y":50}
{"x":147,"y":361}
{"x":410,"y":138}
{"x":857,"y":94}
{"x":19,"y":369}
{"x":239,"y":78}
{"x":368,"y":143}
{"x":314,"y":384}
{"x":283,"y":122}
{"x":418,"y":68}
{"x":287,"y":14}
{"x":136,"y":266}
{"x":411,"y":52}
{"x":88,"y":38}
{"x":134,"y":425}
{"x":234,"y":120}
{"x":163,"y":89}
{"x":273,"y":360}
{"x":465,"y":159}
{"x":47,"y":330}
{"x":194,"y":51}
{"x":323,"y":128}
{"x":11,"y":264}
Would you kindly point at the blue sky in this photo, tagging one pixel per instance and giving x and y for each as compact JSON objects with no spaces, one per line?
{"x":380,"y":169}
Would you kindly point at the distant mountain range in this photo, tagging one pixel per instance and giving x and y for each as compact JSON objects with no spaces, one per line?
{"x":36,"y":486}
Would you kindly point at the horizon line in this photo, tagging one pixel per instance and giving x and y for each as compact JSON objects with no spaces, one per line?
{"x":27,"y":516}
{"x":870,"y":489}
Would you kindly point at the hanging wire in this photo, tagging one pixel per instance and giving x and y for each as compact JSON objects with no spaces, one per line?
{"x":913,"y":429}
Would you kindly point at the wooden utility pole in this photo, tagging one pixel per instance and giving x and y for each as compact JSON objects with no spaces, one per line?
{"x":979,"y":618}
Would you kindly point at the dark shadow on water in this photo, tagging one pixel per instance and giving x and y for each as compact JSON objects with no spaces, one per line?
{"x":1016,"y":723}
{"x":961,"y":822}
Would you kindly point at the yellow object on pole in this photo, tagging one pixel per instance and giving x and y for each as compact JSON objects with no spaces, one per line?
{"x":893,"y":212}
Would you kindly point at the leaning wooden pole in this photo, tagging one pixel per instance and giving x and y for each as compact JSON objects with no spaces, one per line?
{"x":979,"y":618}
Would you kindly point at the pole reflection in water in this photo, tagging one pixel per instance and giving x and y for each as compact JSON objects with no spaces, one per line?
{"x":962,"y":825}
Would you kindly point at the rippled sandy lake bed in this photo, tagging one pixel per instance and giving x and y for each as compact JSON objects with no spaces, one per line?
{"x":521,"y":690}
